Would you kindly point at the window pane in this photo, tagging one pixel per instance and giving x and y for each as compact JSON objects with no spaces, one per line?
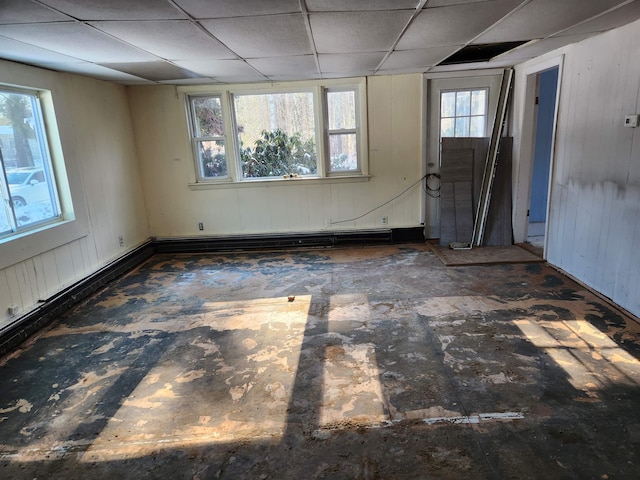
{"x":447,"y":127}
{"x":26,"y":162}
{"x":477,"y":127}
{"x":462,"y":127}
{"x":343,"y":152}
{"x":212,"y":159}
{"x":208,"y":116}
{"x":448,"y":104}
{"x":276,"y":134}
{"x":463,"y":103}
{"x":478,"y":102}
{"x":341,"y":107}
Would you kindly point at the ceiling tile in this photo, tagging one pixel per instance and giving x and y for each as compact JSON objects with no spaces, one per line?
{"x":76,"y":40}
{"x":237,"y":8}
{"x":448,"y":3}
{"x":116,"y":9}
{"x":94,"y":71}
{"x":455,"y":25}
{"x":255,"y":37}
{"x":170,"y":39}
{"x":616,"y":18}
{"x":539,"y":47}
{"x":26,"y":11}
{"x":302,"y":64}
{"x":153,"y":70}
{"x":350,"y":63}
{"x":541,"y":18}
{"x":23,"y":52}
{"x":351,"y":32}
{"x":461,"y":67}
{"x":424,"y":57}
{"x":224,"y":70}
{"x":359,"y":5}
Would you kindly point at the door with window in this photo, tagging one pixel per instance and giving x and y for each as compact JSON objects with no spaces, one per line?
{"x":464,"y":106}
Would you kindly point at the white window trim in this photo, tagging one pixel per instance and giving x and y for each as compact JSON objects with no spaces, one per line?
{"x":343,"y":131}
{"x":318,"y":88}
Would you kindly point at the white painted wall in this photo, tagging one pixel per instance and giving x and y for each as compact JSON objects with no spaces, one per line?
{"x":96,"y":139}
{"x":594,"y":222}
{"x":174,"y":209}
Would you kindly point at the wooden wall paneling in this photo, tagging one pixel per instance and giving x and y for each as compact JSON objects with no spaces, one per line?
{"x":456,"y":180}
{"x":50,"y":274}
{"x":499,"y":229}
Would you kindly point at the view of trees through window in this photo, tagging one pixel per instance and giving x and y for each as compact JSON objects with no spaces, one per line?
{"x":343,"y":148}
{"x":209,"y":134}
{"x":27,"y":188}
{"x":276,"y":133}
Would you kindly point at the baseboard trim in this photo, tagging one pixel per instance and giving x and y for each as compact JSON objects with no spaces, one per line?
{"x":16,"y":333}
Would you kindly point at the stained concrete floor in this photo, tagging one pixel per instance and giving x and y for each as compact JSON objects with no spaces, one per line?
{"x":367,"y":363}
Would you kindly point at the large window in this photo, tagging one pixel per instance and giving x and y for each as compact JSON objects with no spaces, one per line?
{"x":250,"y":133}
{"x":27,"y":185}
{"x":277,"y":134}
{"x":463,"y":113}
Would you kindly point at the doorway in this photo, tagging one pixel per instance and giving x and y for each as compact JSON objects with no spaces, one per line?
{"x":545,"y":111}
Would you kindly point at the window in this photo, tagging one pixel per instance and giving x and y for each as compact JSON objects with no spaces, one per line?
{"x":27,"y":184}
{"x":463,"y":113}
{"x":208,"y":136}
{"x":276,"y":134}
{"x":342,"y":131}
{"x":284,"y":131}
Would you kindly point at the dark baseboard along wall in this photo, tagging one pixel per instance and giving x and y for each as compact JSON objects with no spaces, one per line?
{"x":16,"y":333}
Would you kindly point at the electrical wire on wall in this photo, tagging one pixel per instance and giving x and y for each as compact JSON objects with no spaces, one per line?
{"x":385,"y":203}
{"x":433,"y":192}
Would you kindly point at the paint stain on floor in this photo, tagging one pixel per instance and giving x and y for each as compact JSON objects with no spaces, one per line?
{"x":360,"y":363}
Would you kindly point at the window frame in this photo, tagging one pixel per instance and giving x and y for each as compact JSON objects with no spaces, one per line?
{"x":455,"y":117}
{"x":195,"y":138}
{"x":343,"y":131}
{"x":232,"y":145}
{"x":44,"y":145}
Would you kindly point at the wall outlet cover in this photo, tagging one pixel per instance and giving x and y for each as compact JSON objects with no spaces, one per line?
{"x":631,"y":121}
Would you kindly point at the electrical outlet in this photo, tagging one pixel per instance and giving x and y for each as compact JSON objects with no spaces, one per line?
{"x":13,"y":310}
{"x":384,"y":220}
{"x":121,"y":241}
{"x":201,"y":226}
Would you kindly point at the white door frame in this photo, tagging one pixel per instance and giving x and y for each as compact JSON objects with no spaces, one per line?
{"x":524,"y":97}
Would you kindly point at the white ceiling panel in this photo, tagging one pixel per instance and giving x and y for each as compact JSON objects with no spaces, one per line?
{"x":94,"y":71}
{"x":154,"y":71}
{"x":360,"y":5}
{"x":350,"y":63}
{"x":15,"y":50}
{"x":425,"y":57}
{"x":302,"y":64}
{"x":541,"y":18}
{"x":224,"y":70}
{"x":254,"y":37}
{"x":454,"y":25}
{"x":76,"y":40}
{"x":116,"y":9}
{"x":26,"y":11}
{"x":351,"y":32}
{"x":172,"y":40}
{"x":615,"y":18}
{"x":218,"y":41}
{"x":237,"y":8}
{"x":535,"y":48}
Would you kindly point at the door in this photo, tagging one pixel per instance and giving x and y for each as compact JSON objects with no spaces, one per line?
{"x":441,"y":120}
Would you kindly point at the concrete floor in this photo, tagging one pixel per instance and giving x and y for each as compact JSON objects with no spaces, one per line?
{"x":368,"y":363}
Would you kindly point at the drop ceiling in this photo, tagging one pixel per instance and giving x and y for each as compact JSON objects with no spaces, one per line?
{"x":237,"y":41}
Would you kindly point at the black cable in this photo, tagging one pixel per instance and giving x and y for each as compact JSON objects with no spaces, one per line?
{"x":382,"y":205}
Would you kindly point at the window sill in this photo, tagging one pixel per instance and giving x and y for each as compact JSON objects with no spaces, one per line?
{"x":273,"y":182}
